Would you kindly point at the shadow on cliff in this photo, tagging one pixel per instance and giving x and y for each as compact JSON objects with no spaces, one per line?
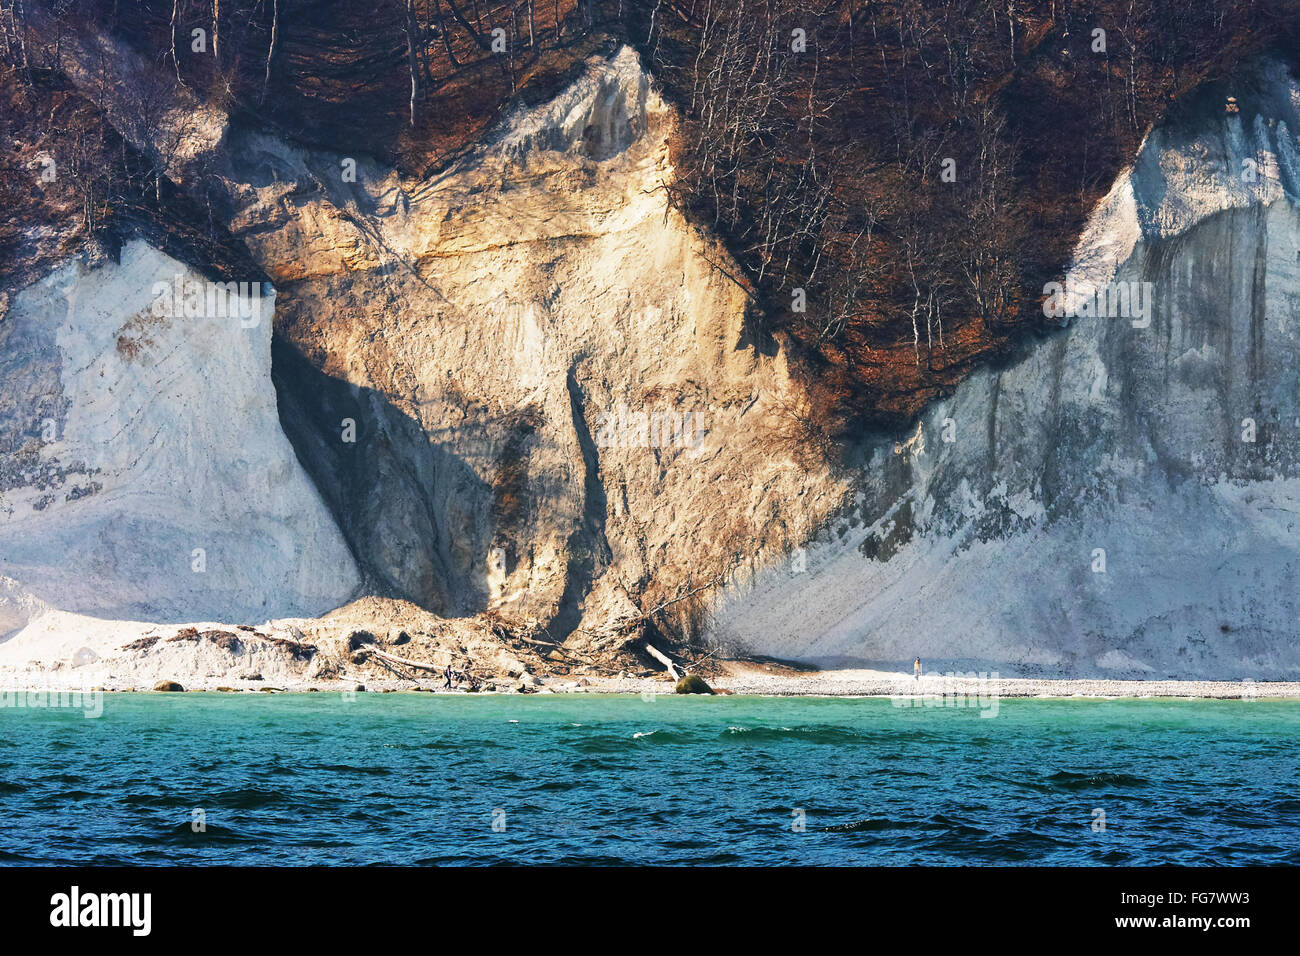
{"x":588,"y":561}
{"x":381,"y":477}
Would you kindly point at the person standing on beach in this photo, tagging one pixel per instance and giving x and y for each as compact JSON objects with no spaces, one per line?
{"x":446,"y":676}
{"x":916,"y":668}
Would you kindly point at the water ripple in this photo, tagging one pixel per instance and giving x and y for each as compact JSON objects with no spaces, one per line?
{"x":402,"y":779}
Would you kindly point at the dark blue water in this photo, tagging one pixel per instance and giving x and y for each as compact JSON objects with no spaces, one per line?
{"x":418,"y":778}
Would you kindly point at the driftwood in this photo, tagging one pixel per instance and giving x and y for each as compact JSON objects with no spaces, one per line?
{"x":392,"y":669}
{"x":662,"y":659}
{"x":394,"y":659}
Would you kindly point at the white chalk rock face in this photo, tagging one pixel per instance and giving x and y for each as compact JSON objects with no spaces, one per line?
{"x":143,"y":470}
{"x":1123,"y":501}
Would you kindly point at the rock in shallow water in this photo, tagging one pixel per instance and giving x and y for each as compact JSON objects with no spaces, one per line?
{"x":693,"y":684}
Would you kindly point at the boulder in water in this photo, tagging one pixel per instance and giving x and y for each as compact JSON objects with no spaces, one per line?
{"x":693,"y":684}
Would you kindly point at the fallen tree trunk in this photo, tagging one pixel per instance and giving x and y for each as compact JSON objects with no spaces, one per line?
{"x":392,"y":669}
{"x":662,"y":659}
{"x":393,"y":658}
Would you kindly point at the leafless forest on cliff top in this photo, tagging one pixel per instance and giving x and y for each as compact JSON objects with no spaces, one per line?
{"x":896,"y":179}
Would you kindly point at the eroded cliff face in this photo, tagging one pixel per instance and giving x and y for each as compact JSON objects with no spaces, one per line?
{"x":554,"y":385}
{"x":1124,"y":500}
{"x":525,"y":386}
{"x":559,"y":412}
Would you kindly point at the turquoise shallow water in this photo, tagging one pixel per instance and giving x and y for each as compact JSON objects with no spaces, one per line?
{"x":418,"y":778}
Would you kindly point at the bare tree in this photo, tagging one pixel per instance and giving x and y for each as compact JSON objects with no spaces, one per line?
{"x":411,"y":26}
{"x":176,"y":7}
{"x":270,"y":50}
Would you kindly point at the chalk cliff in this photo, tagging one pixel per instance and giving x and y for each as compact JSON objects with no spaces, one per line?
{"x":1125,"y":498}
{"x":143,"y":471}
{"x":527,"y":387}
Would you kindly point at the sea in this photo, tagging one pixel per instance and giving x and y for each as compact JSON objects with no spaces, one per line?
{"x":424,"y":779}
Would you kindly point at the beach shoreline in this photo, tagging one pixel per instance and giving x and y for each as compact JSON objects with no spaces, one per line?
{"x":386,"y":646}
{"x":741,"y":678}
